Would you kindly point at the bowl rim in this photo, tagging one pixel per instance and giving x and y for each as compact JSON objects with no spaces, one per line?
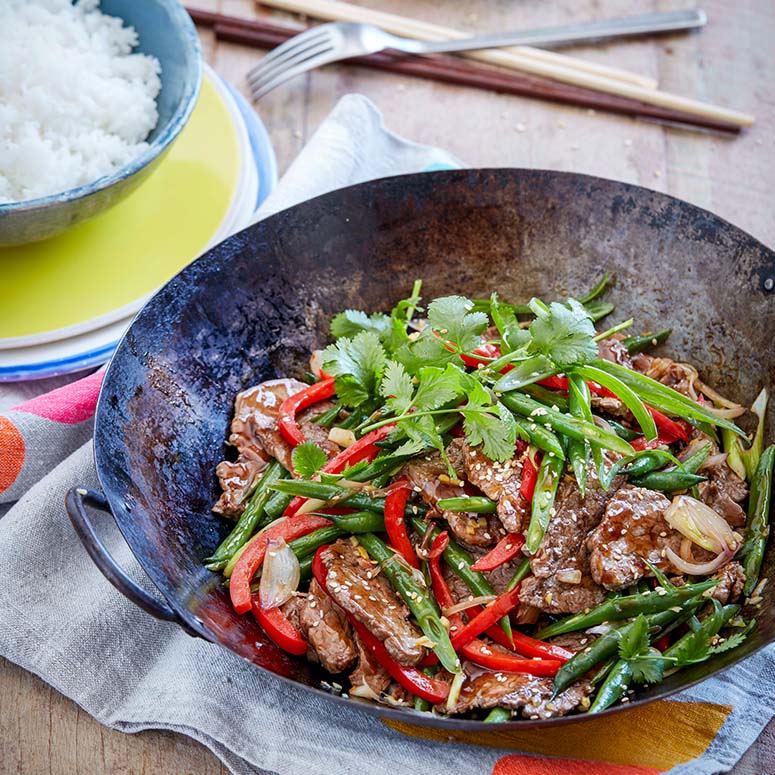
{"x":185,"y":25}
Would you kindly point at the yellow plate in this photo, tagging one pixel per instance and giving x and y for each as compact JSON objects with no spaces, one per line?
{"x":96,"y":271}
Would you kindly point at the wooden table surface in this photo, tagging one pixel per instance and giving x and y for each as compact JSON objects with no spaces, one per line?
{"x":731,"y":62}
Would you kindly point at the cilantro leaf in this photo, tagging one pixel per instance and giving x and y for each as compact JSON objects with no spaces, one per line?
{"x":648,"y":668}
{"x":411,"y":447}
{"x":437,"y":387}
{"x":422,"y":430}
{"x":512,"y":336}
{"x":352,"y":322}
{"x":563,"y":332}
{"x":357,"y":365}
{"x":308,"y":459}
{"x":397,"y":387}
{"x":497,"y":433}
{"x":451,"y":316}
{"x":734,"y":640}
{"x":426,"y":350}
{"x":635,"y":639}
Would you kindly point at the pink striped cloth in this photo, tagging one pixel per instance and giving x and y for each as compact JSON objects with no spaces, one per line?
{"x":37,"y":434}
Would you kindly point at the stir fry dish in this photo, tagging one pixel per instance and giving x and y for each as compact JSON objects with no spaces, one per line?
{"x":498,"y":510}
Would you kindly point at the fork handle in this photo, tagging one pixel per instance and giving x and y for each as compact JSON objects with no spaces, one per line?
{"x":572,"y":33}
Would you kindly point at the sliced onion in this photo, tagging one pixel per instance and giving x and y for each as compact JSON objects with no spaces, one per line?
{"x":470,"y":603}
{"x":316,"y":363}
{"x":695,"y":568}
{"x":701,"y":524}
{"x":600,"y":629}
{"x":569,"y":576}
{"x":718,"y":398}
{"x":714,"y":460}
{"x":280,"y":574}
{"x":341,"y":436}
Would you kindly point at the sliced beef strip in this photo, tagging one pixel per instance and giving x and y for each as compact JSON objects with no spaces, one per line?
{"x":611,"y":406}
{"x":557,"y":597}
{"x":664,"y":370}
{"x":355,"y":585}
{"x":561,"y":581}
{"x":633,"y":529}
{"x":519,"y":691}
{"x":499,"y":481}
{"x":612,"y":349}
{"x":731,"y":580}
{"x":255,"y":435}
{"x":423,"y":474}
{"x":724,"y":492}
{"x":325,"y":627}
{"x":369,"y":679}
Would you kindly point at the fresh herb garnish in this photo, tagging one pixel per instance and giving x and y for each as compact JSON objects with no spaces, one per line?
{"x":308,"y":459}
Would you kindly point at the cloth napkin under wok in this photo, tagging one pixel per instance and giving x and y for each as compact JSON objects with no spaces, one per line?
{"x":61,"y":620}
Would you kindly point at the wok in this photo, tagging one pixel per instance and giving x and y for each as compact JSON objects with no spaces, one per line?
{"x":253,"y":307}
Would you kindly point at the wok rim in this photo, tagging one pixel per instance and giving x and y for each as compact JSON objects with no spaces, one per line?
{"x":407,"y":714}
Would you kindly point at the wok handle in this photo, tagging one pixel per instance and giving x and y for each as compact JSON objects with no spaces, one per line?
{"x":75,"y":501}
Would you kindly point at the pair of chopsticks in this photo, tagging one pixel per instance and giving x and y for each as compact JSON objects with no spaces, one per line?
{"x":451,"y":69}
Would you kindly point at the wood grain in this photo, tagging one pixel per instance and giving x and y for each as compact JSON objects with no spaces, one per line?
{"x":731,"y":63}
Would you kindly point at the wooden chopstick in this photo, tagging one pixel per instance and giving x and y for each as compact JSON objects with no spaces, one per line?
{"x":452,"y":70}
{"x":557,"y":67}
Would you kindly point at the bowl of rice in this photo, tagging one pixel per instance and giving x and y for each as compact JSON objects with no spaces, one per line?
{"x":92,"y":96}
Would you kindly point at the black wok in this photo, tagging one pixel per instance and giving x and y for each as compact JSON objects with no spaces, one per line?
{"x":253,"y":307}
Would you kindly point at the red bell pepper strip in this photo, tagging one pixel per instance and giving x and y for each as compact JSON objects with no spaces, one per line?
{"x":561,"y":383}
{"x":276,"y":625}
{"x":251,"y":558}
{"x":486,"y":353}
{"x":286,"y":419}
{"x":666,"y":425}
{"x":506,"y":549}
{"x":395,"y":526}
{"x":530,"y":647}
{"x":662,"y":440}
{"x":479,"y":652}
{"x":412,"y":679}
{"x":492,"y":612}
{"x":529,"y":476}
{"x":364,"y":449}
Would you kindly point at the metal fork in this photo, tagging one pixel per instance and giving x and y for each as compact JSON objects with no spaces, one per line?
{"x":342,"y":40}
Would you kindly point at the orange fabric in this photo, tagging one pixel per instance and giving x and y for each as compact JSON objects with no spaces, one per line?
{"x":659,"y":735}
{"x":517,"y":764}
{"x":11,"y":453}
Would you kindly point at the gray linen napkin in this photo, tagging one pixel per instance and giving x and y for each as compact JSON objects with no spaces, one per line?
{"x":62,"y":621}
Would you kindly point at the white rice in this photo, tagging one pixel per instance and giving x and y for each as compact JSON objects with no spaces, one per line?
{"x":75,"y":103}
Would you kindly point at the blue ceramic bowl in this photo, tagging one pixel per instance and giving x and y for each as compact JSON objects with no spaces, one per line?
{"x":165,"y":31}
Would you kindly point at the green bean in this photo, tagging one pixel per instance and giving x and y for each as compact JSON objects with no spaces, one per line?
{"x":667,"y":481}
{"x":604,"y":647}
{"x":419,"y":702}
{"x":564,"y":423}
{"x":539,"y":436}
{"x":416,"y":598}
{"x":546,"y":397}
{"x":249,"y":520}
{"x":663,"y":397}
{"x":460,"y":561}
{"x":331,"y":493}
{"x":473,"y":503}
{"x":693,"y":463}
{"x":625,"y":433}
{"x":277,"y":504}
{"x":636,"y":344}
{"x":359,"y":522}
{"x":526,"y":371}
{"x":549,"y":473}
{"x":305,"y":566}
{"x":758,"y":527}
{"x":597,"y":310}
{"x":603,"y":671}
{"x":309,"y":543}
{"x":328,"y":418}
{"x":523,"y":569}
{"x":579,"y":451}
{"x":649,"y":461}
{"x":613,"y":687}
{"x":497,"y":715}
{"x":625,"y":394}
{"x":597,"y":289}
{"x":626,"y":606}
{"x":378,"y":467}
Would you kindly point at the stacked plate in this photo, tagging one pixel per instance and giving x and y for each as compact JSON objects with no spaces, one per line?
{"x":65,"y":302}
